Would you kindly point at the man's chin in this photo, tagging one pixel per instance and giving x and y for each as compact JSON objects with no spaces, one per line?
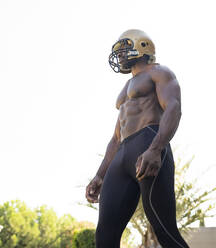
{"x":128,"y":64}
{"x":125,"y":66}
{"x":125,"y":70}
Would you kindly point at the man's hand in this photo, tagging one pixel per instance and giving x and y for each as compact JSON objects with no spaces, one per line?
{"x":93,"y":189}
{"x":148,"y":164}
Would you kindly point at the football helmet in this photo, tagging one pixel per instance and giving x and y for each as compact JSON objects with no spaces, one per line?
{"x":131,"y":45}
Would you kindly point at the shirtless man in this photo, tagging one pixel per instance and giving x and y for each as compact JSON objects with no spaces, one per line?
{"x":138,"y":159}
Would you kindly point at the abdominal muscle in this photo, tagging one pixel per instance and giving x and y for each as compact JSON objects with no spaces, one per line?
{"x":137,"y":113}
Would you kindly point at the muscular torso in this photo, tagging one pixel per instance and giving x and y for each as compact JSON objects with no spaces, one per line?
{"x":138,"y":104}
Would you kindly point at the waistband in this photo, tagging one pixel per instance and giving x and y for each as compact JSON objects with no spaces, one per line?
{"x":153,"y":126}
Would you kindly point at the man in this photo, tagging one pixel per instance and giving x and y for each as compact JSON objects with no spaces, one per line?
{"x":138,"y":158}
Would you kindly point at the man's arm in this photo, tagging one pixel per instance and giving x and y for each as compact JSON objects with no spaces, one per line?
{"x":111,"y":150}
{"x":94,"y":187}
{"x":169,"y":97}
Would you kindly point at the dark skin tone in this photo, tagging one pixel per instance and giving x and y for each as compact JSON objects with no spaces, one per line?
{"x":151,"y":96}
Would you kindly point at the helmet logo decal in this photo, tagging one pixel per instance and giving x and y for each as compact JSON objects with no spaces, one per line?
{"x":133,"y":53}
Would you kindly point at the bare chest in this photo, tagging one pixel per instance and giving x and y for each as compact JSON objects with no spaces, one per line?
{"x":139,"y":86}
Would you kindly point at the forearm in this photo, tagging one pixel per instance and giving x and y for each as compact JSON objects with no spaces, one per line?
{"x":109,"y":155}
{"x":167,"y":127}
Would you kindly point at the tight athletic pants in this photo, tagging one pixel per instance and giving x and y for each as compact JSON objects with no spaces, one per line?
{"x":120,"y":193}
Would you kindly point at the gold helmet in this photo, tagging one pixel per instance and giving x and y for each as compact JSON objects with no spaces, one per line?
{"x":131,"y":45}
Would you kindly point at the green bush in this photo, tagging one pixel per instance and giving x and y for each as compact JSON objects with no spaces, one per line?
{"x":84,"y":239}
{"x":41,"y":228}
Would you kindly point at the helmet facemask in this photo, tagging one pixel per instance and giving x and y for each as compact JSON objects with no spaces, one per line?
{"x":123,"y":48}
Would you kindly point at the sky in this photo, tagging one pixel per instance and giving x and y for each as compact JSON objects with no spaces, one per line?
{"x":58,"y":93}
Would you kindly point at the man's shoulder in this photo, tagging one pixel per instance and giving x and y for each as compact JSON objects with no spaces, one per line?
{"x":158,"y":68}
{"x":159,"y":71}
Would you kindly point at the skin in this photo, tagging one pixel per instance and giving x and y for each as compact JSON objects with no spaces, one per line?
{"x":151,"y":96}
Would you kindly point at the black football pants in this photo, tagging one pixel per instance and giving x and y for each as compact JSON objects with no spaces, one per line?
{"x":120,"y":193}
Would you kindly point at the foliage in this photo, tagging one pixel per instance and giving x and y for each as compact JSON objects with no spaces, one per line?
{"x":84,"y":239}
{"x":22,"y":227}
{"x":66,"y":225}
{"x":47,"y":224}
{"x":127,"y":238}
{"x":19,"y":225}
{"x":192,"y":203}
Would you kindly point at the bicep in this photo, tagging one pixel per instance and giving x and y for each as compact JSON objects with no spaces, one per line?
{"x":167,"y":89}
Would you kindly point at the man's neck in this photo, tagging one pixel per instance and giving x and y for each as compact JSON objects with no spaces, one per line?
{"x":138,"y":67}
